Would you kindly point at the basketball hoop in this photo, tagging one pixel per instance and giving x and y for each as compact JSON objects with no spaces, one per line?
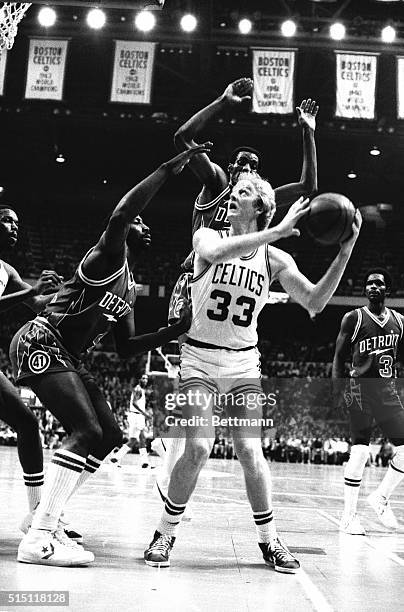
{"x":11,"y":14}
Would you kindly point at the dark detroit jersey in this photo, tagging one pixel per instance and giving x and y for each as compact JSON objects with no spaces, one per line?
{"x":213,"y":214}
{"x":84,"y":310}
{"x":375,"y":344}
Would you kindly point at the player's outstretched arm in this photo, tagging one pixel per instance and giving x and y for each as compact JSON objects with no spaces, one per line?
{"x":128,"y":344}
{"x":315,"y":297}
{"x":307,"y":185}
{"x":210,"y":174}
{"x":210,"y":247}
{"x":18,"y":291}
{"x":113,"y":239}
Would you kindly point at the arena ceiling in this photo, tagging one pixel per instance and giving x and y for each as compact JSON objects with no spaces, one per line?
{"x":113,"y":143}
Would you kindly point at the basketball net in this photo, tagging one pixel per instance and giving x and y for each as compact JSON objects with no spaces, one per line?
{"x":11,"y":14}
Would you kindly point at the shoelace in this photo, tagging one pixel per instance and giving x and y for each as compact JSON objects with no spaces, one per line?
{"x":162,"y":544}
{"x":281,"y":550}
{"x":62,"y":538}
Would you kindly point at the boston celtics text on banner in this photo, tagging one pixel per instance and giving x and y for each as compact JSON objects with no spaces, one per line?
{"x":3,"y":61}
{"x":46,"y":69}
{"x":400,"y":87}
{"x":356,"y":85}
{"x":273,"y":74}
{"x":133,"y":72}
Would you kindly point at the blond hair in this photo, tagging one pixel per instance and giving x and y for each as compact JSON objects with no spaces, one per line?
{"x":266,"y":195}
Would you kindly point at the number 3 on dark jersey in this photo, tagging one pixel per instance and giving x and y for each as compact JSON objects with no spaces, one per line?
{"x":221,"y":311}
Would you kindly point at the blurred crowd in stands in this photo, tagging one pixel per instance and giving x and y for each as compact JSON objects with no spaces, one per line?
{"x":306,"y":426}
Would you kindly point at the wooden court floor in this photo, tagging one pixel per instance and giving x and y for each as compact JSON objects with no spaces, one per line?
{"x":215,"y":565}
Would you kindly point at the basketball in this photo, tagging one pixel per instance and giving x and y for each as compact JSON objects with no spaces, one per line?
{"x":330,"y":218}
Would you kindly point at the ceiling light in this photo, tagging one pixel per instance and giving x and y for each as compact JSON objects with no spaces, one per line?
{"x":145,"y":21}
{"x":245,"y":26}
{"x":288,"y":28}
{"x":47,"y":16}
{"x":188,"y":23}
{"x":96,"y":19}
{"x":337,"y":31}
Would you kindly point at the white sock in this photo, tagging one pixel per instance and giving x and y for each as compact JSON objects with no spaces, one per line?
{"x":92,"y":465}
{"x":171,"y":518}
{"x":394,"y":475}
{"x":353,"y":477}
{"x":158,"y":447}
{"x":34,"y":484}
{"x":174,"y":450}
{"x":265,"y":526}
{"x":143,"y":455}
{"x":63,"y":472}
{"x":122,"y":452}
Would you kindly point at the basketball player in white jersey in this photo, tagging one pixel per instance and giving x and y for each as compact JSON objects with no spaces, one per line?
{"x":371,"y":336}
{"x":210,"y":208}
{"x":136,"y":416}
{"x":14,"y":291}
{"x":230,"y":285}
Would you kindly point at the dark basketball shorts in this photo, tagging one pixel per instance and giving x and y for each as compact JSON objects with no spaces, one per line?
{"x":37,"y":349}
{"x":181,"y":291}
{"x":372,"y":401}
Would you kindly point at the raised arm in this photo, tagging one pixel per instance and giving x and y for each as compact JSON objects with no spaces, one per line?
{"x":128,"y":344}
{"x":18,"y":291}
{"x":307,"y":185}
{"x":110,"y":252}
{"x":314,"y":297}
{"x":211,"y":175}
{"x":211,"y":248}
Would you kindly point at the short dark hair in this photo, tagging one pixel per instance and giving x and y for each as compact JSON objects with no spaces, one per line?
{"x":5,"y":207}
{"x":377,"y":270}
{"x":235,"y":152}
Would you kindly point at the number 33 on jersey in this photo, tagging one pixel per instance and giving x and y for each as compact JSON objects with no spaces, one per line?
{"x":227,"y":299}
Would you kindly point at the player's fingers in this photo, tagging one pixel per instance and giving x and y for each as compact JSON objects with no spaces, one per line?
{"x":303,"y":104}
{"x":295,"y":232}
{"x":312,"y":106}
{"x":315,"y":111}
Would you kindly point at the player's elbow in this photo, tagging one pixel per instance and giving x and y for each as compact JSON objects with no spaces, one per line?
{"x":315,"y":306}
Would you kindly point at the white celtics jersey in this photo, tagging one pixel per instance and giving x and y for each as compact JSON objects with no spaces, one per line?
{"x":3,"y":277}
{"x":137,"y":399}
{"x":227,"y":299}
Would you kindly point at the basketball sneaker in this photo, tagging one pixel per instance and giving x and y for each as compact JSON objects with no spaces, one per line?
{"x":352,"y":525}
{"x":279,"y":557}
{"x":382,"y":507}
{"x":158,"y":553}
{"x":71,"y":533}
{"x":52,"y":548}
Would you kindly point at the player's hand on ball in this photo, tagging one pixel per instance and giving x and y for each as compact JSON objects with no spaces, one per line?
{"x":178,"y":163}
{"x":185,"y":320}
{"x":287,"y":226}
{"x":349,"y":243}
{"x":48,"y":282}
{"x":238,"y":91}
{"x":306,"y":113}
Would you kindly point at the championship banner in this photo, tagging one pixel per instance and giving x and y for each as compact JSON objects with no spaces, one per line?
{"x":273,"y":74}
{"x":400,"y":87}
{"x":133,"y":72}
{"x":356,"y":85}
{"x":3,"y":61}
{"x":46,"y":69}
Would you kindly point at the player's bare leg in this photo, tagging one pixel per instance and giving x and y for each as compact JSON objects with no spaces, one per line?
{"x":198,"y":445}
{"x":24,"y":422}
{"x":258,"y":486}
{"x":66,"y":396}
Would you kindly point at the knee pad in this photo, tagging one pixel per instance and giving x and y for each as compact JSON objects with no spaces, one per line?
{"x":357,"y":460}
{"x":397,"y":462}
